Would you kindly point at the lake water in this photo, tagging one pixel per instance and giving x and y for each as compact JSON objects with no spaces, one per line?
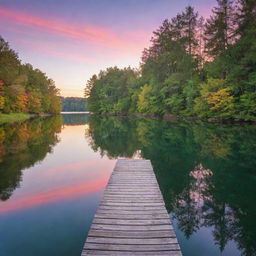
{"x":53,"y":172}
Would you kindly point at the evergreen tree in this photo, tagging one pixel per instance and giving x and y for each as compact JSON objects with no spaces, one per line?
{"x":188,"y":27}
{"x":245,"y":16}
{"x":219,"y":29}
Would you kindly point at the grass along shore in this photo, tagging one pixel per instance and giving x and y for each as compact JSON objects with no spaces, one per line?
{"x":13,"y":117}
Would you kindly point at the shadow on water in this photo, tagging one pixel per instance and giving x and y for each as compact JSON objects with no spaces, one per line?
{"x":23,"y":144}
{"x":206,"y":173}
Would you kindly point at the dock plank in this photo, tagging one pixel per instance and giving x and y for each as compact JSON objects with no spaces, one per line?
{"x":131,"y":218}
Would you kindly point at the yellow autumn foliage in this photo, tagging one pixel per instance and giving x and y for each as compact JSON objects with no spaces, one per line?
{"x":143,"y":98}
{"x":220,"y":100}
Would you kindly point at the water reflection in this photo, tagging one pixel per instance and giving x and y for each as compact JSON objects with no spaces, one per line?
{"x":23,"y":144}
{"x":74,"y":119}
{"x":206,"y":173}
{"x":112,"y":136}
{"x":51,"y":183}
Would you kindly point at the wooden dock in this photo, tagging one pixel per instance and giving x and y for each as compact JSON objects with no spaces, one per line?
{"x":131,"y":218}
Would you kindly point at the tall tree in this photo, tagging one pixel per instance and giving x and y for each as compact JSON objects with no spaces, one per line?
{"x":219,"y":28}
{"x":9,"y":63}
{"x":24,"y":89}
{"x":189,"y":22}
{"x":245,"y":16}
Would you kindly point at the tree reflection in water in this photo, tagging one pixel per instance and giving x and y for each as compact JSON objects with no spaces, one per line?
{"x":23,"y":144}
{"x":206,"y":172}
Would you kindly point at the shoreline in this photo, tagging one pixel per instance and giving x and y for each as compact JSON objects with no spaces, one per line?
{"x":19,"y":117}
{"x":170,"y":117}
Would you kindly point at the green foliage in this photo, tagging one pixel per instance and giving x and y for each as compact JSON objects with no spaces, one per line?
{"x":24,"y":89}
{"x":14,"y":117}
{"x":144,"y":99}
{"x":191,"y":68}
{"x":215,"y":99}
{"x":247,"y":106}
{"x":219,"y":32}
{"x":73,"y":104}
{"x":110,"y":91}
{"x":190,"y":92}
{"x":9,"y":63}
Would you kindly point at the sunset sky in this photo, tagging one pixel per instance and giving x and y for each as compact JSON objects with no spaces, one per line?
{"x":70,"y":40}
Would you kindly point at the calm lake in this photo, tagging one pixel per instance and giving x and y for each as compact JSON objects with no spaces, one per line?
{"x":53,"y":172}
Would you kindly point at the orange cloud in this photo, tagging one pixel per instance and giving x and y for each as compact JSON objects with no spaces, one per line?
{"x":63,"y":193}
{"x":86,"y":33}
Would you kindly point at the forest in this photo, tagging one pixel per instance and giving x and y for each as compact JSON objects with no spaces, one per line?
{"x":194,"y":67}
{"x":73,"y":104}
{"x":24,"y":89}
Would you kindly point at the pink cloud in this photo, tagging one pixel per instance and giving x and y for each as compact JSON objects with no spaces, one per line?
{"x":60,"y":49}
{"x":63,"y":193}
{"x":85,"y":33}
{"x":75,"y":51}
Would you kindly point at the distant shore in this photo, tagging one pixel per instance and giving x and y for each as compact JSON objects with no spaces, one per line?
{"x":74,"y":112}
{"x":170,"y":117}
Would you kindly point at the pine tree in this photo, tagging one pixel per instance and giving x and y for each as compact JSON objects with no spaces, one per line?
{"x":245,"y":16}
{"x":200,"y":52}
{"x":219,"y":28}
{"x":189,"y":22}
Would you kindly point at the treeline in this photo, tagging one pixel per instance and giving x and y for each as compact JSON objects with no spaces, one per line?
{"x":23,"y":88}
{"x":73,"y":104}
{"x":194,"y":67}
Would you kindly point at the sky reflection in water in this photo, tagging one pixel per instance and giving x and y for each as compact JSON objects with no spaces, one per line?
{"x":50,"y":211}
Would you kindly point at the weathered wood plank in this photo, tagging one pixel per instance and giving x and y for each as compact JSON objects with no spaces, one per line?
{"x":131,"y":218}
{"x":131,"y":228}
{"x":131,"y":197}
{"x":123,"y":253}
{"x":114,"y":215}
{"x":132,"y":222}
{"x":120,"y":193}
{"x":133,"y":247}
{"x":119,"y":200}
{"x":134,"y":206}
{"x":134,"y":241}
{"x":131,"y":201}
{"x":153,"y":213}
{"x":133,"y":189}
{"x":131,"y":234}
{"x":129,"y":208}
